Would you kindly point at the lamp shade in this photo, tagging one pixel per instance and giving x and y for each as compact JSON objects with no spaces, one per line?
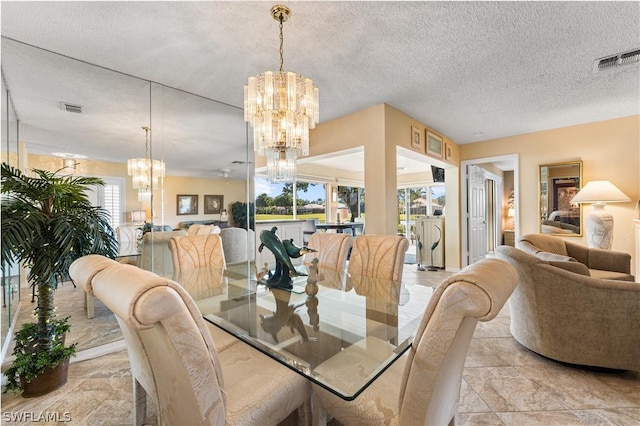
{"x":600,"y":191}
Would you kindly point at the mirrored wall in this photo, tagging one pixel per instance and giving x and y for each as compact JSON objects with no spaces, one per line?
{"x":94,"y":116}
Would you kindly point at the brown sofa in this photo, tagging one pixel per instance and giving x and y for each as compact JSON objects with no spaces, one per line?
{"x":605,"y":264}
{"x":571,"y":317}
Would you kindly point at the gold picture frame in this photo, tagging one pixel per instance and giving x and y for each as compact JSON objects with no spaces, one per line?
{"x":186,"y":204}
{"x":434,"y":144}
{"x":417,"y":140}
{"x":448,"y":152}
{"x":213,"y":204}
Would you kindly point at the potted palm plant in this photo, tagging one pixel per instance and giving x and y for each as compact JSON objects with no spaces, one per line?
{"x":47,"y":223}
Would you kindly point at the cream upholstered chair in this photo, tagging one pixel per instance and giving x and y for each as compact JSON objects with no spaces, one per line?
{"x":332,"y":250}
{"x":423,"y":386}
{"x":174,"y":360}
{"x":604,"y":264}
{"x":378,"y":256}
{"x":155,"y":255}
{"x":196,"y":251}
{"x":560,"y":310}
{"x":238,"y":244}
{"x":198,"y":229}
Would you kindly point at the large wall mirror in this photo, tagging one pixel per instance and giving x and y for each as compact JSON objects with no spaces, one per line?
{"x":203,"y":144}
{"x":558,"y":184}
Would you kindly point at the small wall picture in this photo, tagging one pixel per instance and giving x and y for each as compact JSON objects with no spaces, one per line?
{"x":417,"y":141}
{"x":213,"y":204}
{"x":187,"y":204}
{"x":448,"y":152}
{"x":434,"y":144}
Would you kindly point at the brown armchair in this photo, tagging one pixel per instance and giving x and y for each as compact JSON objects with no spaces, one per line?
{"x":572,"y":317}
{"x":604,"y":264}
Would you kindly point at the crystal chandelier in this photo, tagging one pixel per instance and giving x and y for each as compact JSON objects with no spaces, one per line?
{"x":145,"y":172}
{"x":281,"y":107}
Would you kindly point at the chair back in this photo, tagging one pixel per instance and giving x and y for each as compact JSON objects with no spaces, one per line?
{"x":171,"y":352}
{"x":196,"y":251}
{"x":430,"y":388}
{"x":155,"y":255}
{"x":198,"y":229}
{"x":238,"y":244}
{"x":378,"y":256}
{"x":332,"y":250}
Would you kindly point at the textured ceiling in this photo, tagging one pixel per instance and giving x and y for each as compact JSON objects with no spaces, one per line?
{"x":471,"y":70}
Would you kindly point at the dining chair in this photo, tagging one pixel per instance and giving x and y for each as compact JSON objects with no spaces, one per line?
{"x":378,"y":256}
{"x":174,"y":360}
{"x":238,"y":244}
{"x":308,"y":229}
{"x":196,"y":251}
{"x":331,"y":250}
{"x":155,"y":254}
{"x":423,"y":386}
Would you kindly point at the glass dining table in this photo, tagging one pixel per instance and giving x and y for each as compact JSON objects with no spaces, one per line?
{"x":340,"y":331}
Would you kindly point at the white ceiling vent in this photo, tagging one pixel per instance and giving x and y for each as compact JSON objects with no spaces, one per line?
{"x":613,"y":61}
{"x":65,"y":106}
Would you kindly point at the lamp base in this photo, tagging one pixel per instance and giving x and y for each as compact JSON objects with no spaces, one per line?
{"x":599,"y":228}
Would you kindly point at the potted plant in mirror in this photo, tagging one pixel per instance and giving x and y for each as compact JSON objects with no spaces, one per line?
{"x":239,"y":215}
{"x":47,"y":223}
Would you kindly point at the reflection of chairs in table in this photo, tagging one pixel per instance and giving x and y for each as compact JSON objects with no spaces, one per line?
{"x":174,"y":359}
{"x":423,"y":386}
{"x":331,"y":250}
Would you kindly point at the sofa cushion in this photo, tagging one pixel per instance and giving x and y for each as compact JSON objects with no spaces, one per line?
{"x":611,"y":275}
{"x":575,"y":267}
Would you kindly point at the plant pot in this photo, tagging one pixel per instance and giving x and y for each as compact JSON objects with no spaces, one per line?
{"x":50,"y":380}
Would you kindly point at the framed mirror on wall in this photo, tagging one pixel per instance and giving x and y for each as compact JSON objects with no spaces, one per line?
{"x":558,"y":183}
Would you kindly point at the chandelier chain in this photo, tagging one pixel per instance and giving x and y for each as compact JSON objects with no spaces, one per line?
{"x":281,"y":44}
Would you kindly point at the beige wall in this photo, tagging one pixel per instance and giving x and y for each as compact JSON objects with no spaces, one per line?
{"x":609,"y":150}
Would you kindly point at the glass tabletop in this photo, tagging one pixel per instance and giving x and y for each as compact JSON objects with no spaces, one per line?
{"x":341,"y":332}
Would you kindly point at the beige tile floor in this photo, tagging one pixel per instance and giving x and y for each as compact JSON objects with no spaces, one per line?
{"x":503,"y":384}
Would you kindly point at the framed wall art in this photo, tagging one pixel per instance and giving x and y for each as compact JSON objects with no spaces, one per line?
{"x":448,"y":152}
{"x":434,"y":144}
{"x":213,"y":204}
{"x":187,"y":204}
{"x":417,"y":140}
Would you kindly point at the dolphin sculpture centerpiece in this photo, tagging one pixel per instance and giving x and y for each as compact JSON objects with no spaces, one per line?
{"x":282,"y":252}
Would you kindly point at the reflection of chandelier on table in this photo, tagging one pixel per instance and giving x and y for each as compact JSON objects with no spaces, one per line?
{"x":281,"y":107}
{"x":145,"y":172}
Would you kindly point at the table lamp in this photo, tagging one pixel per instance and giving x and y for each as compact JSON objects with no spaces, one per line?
{"x":599,"y":222}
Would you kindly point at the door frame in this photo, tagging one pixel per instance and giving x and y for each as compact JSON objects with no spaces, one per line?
{"x":464,"y":197}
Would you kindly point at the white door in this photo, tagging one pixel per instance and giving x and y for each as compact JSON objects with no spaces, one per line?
{"x":477,"y":215}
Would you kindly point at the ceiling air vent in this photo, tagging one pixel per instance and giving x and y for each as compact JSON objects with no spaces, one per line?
{"x":65,"y":106}
{"x":624,"y":58}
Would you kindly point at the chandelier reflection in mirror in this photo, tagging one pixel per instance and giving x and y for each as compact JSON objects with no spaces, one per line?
{"x":145,"y":172}
{"x":281,"y":107}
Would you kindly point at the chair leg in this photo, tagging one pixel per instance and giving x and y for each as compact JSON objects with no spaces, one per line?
{"x":139,"y":404}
